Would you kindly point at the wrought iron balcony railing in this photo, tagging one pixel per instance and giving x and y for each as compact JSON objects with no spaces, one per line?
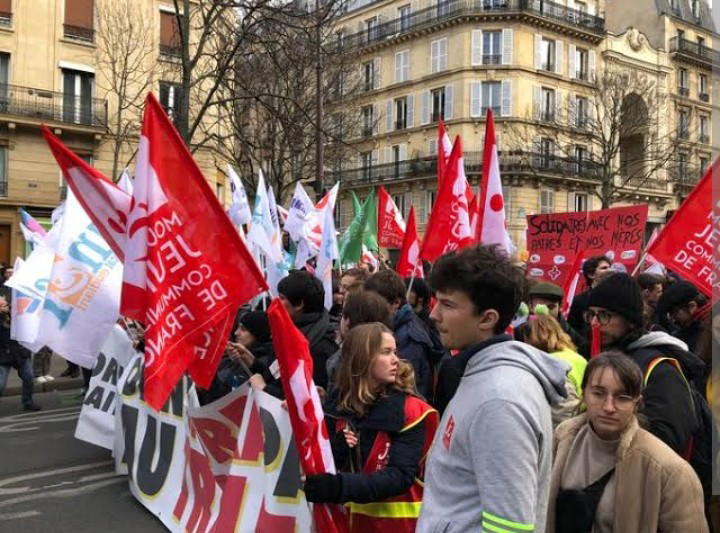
{"x":50,"y":105}
{"x":450,"y":9}
{"x":510,"y":161}
{"x":704,"y":97}
{"x":695,"y":51}
{"x":491,"y":59}
{"x":78,"y":33}
{"x":5,"y":19}
{"x":683,"y":91}
{"x":170,"y":51}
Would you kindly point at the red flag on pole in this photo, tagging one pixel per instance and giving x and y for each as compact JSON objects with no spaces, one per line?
{"x":688,"y":242}
{"x":186,"y":271}
{"x":303,"y":405}
{"x":449,"y":226}
{"x":391,"y":226}
{"x":572,"y":282}
{"x":409,"y":264}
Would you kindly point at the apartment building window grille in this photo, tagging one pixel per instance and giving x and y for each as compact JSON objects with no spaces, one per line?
{"x":401,"y":108}
{"x":547,"y":201}
{"x":547,"y":109}
{"x":368,"y":121}
{"x":548,"y":54}
{"x":581,"y":202}
{"x":404,"y":16}
{"x":491,"y":97}
{"x":77,"y":96}
{"x":170,"y":96}
{"x":170,"y":45}
{"x":79,"y":17}
{"x":582,"y":68}
{"x":437,"y":100}
{"x":492,"y":47}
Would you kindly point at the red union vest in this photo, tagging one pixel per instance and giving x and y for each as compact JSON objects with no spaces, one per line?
{"x":398,"y":514}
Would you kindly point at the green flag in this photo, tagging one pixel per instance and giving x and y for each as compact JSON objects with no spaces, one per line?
{"x":362,"y":230}
{"x":355,"y":203}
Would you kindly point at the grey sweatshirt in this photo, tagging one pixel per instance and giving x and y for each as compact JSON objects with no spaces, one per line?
{"x":489,"y":466}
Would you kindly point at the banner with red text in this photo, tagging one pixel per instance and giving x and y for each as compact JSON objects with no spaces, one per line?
{"x":227,"y":466}
{"x":554,"y":239}
{"x":687,"y":244}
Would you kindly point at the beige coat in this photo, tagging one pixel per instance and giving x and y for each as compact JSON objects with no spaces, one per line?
{"x":655,"y":489}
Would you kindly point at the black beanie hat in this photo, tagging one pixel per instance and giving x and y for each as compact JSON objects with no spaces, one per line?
{"x":677,"y":294}
{"x":620,"y":294}
{"x":256,"y":322}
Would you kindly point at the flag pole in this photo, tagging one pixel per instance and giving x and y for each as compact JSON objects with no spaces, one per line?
{"x":639,"y":263}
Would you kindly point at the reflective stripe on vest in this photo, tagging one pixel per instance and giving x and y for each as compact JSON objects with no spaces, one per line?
{"x":387,"y":509}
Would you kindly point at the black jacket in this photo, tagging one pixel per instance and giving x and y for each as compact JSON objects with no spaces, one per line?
{"x":690,"y":334}
{"x":414,"y":344}
{"x":12,"y":353}
{"x":388,"y":414}
{"x":319,"y":330}
{"x":576,"y":321}
{"x":667,"y":403}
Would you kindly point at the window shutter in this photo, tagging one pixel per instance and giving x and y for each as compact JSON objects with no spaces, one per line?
{"x":375,"y":118}
{"x":406,"y":65}
{"x":475,"y":98}
{"x":434,"y":47}
{"x":410,"y":111}
{"x":398,"y":67}
{"x":389,"y":116}
{"x":506,"y":106}
{"x":425,"y":111}
{"x":477,"y":47}
{"x":559,"y":67}
{"x":507,"y":46}
{"x":591,"y":65}
{"x":537,"y":101}
{"x":448,"y":112}
{"x":403,"y":151}
{"x":571,"y":61}
{"x":388,"y":154}
{"x":538,"y":51}
{"x":376,"y":73}
{"x":443,"y":54}
{"x":80,"y":13}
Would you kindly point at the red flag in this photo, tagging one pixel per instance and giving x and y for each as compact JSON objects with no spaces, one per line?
{"x":391,"y":226}
{"x":303,"y":405}
{"x":571,"y":282}
{"x":491,"y":215}
{"x":186,"y":270}
{"x":687,"y":243}
{"x":105,"y":203}
{"x":449,"y":225}
{"x":595,"y":341}
{"x":409,"y":264}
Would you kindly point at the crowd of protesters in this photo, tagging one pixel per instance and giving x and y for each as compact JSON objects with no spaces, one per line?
{"x":467,"y":401}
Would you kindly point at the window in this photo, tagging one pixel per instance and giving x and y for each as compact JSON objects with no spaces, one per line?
{"x":547,"y":201}
{"x":696,"y":8}
{"x":704,"y":137}
{"x":428,"y":201}
{"x":547,"y":110}
{"x":437,"y":100}
{"x":581,"y":6}
{"x":4,"y":80}
{"x":491,"y":97}
{"x":340,"y":38}
{"x":547,"y":50}
{"x":581,"y":112}
{"x":674,"y":5}
{"x":368,"y":121}
{"x":404,"y":16}
{"x":170,"y":44}
{"x":495,"y":4}
{"x":701,"y":42}
{"x":402,"y":66}
{"x":371,"y":27}
{"x":683,"y":165}
{"x":3,"y":170}
{"x":366,"y":160}
{"x":5,"y":12}
{"x":77,"y":96}
{"x":683,"y":123}
{"x":581,"y":201}
{"x":438,"y":55}
{"x":399,"y":199}
{"x":369,"y":75}
{"x":492,"y":51}
{"x":581,"y":64}
{"x":79,"y":17}
{"x":170,"y":96}
{"x":703,"y":87}
{"x":443,"y":7}
{"x":547,"y":151}
{"x":580,"y":158}
{"x":401,"y":108}
{"x":681,"y":34}
{"x":683,"y":82}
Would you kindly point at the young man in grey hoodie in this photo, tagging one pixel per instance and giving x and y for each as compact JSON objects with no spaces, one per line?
{"x":489,"y":466}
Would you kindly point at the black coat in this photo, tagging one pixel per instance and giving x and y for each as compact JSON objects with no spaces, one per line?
{"x":414,"y":344}
{"x":388,"y":414}
{"x":320,"y":331}
{"x":576,"y":321}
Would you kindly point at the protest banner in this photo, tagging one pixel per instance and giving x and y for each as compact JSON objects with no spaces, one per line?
{"x":227,"y":466}
{"x":554,"y":239}
{"x":96,"y":423}
{"x":689,"y":241}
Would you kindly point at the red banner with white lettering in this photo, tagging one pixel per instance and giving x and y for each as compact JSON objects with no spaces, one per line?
{"x":687,"y":243}
{"x":186,"y":271}
{"x":554,"y":239}
{"x":391,"y":226}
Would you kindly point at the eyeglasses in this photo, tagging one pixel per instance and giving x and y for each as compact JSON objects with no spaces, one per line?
{"x":604,"y":317}
{"x":622,"y":402}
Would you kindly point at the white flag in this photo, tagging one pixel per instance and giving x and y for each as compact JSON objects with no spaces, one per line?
{"x":328,"y":253}
{"x":125,"y":183}
{"x":240,"y":208}
{"x":299,"y":214}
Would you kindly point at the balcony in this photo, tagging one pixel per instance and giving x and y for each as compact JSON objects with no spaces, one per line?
{"x":462,"y":9}
{"x":491,"y":59}
{"x":532,"y":163}
{"x":694,"y":53}
{"x":367,"y":132}
{"x":45,"y":106}
{"x":170,"y":50}
{"x":683,"y":133}
{"x":684,"y":178}
{"x":546,"y":116}
{"x":78,"y":33}
{"x":704,"y":97}
{"x":5,"y":19}
{"x":704,"y":138}
{"x":684,"y":91}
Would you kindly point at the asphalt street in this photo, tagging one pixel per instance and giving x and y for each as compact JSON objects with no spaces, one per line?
{"x":51,"y":482}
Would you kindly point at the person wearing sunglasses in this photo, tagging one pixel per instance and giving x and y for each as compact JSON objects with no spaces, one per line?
{"x":610,"y":475}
